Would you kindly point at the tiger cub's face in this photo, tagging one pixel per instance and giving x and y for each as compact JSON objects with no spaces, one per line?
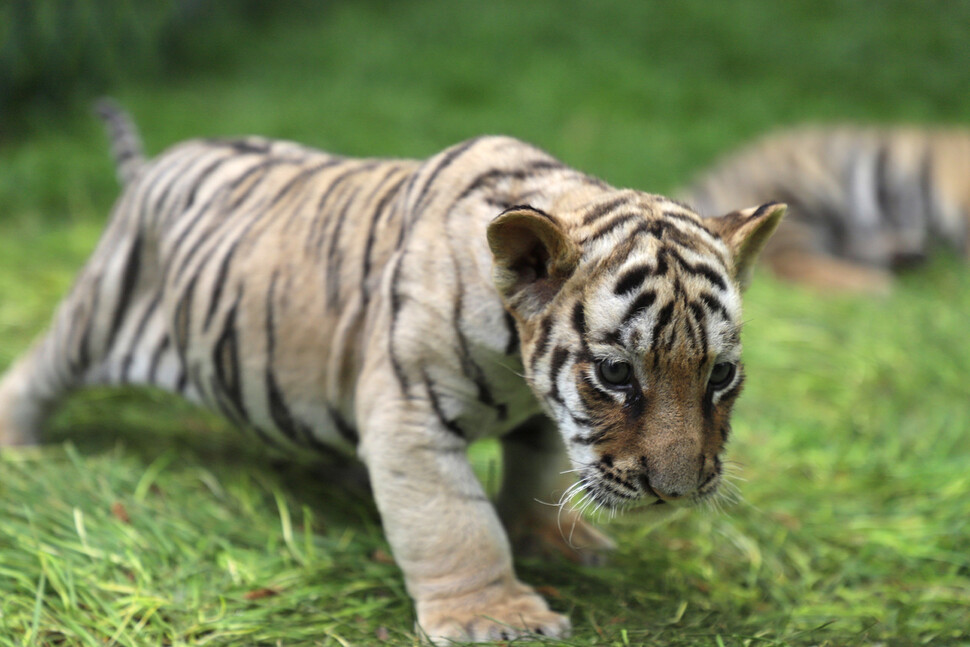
{"x":630,"y":320}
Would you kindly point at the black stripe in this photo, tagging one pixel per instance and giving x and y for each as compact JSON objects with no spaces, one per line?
{"x":225,"y":359}
{"x":282,"y":417}
{"x":594,"y":438}
{"x":635,"y":404}
{"x":714,"y":304}
{"x":604,"y":208}
{"x":334,"y":249}
{"x":267,"y":166}
{"x":137,"y":335}
{"x":526,"y":172}
{"x":683,"y":217}
{"x":340,"y":179}
{"x":559,"y":357}
{"x":219,"y":282}
{"x":228,"y":211}
{"x":579,"y":421}
{"x":406,"y":221}
{"x":602,"y":485}
{"x":166,"y":173}
{"x":700,"y":269}
{"x":205,"y":212}
{"x":372,"y":231}
{"x":700,"y":316}
{"x":284,"y":420}
{"x":760,"y":211}
{"x":196,"y":378}
{"x":396,"y":303}
{"x":302,"y":177}
{"x":157,"y":357}
{"x":243,"y":146}
{"x":612,"y":337}
{"x":200,"y":179}
{"x":344,"y":428}
{"x":335,"y":252}
{"x":613,"y":477}
{"x":670,"y":233}
{"x":542,"y":342}
{"x":691,"y":332}
{"x":83,"y":350}
{"x":488,"y":178}
{"x":642,"y":302}
{"x":656,"y":228}
{"x":447,"y":159}
{"x":182,"y":381}
{"x":226,"y":408}
{"x":672,"y":339}
{"x":263,"y":436}
{"x":513,"y":344}
{"x":226,"y":261}
{"x":526,"y":207}
{"x":471,"y":368}
{"x":163,"y":185}
{"x":693,"y":222}
{"x":597,"y":391}
{"x":612,"y":225}
{"x":632,"y":279}
{"x":183,"y":317}
{"x":450,"y":425}
{"x":663,"y":320}
{"x":128,"y":280}
{"x":579,"y":319}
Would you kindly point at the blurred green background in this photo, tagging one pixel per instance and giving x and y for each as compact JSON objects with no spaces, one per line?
{"x":853,"y":435}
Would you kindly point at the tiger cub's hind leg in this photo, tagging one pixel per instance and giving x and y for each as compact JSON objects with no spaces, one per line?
{"x":86,"y":336}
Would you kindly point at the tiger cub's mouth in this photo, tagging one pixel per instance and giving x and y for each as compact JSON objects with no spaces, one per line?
{"x":607,"y":490}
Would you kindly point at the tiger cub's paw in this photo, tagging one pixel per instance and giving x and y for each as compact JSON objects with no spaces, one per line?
{"x":522,"y":615}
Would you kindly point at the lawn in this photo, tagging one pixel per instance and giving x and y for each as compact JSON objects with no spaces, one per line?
{"x":144,"y":521}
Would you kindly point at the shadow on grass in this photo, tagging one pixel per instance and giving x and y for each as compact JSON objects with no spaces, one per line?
{"x":145,"y":424}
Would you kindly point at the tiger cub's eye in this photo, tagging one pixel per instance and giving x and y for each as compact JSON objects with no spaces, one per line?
{"x":615,"y":373}
{"x":721,"y":375}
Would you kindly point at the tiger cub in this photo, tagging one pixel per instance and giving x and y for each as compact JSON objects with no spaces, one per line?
{"x":862,"y":201}
{"x":406,"y":309}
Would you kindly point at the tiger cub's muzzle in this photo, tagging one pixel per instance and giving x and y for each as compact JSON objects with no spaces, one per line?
{"x":621,"y":483}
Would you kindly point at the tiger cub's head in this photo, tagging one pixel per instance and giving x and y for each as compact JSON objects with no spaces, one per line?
{"x":629,"y":315}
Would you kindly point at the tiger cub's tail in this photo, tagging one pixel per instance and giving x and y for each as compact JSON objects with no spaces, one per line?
{"x":126,"y":146}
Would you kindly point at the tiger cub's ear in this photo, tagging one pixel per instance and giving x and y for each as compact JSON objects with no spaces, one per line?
{"x":746,"y":232}
{"x":533,"y":258}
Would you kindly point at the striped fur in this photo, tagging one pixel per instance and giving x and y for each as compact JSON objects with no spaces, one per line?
{"x":380,"y":304}
{"x":863,"y":201}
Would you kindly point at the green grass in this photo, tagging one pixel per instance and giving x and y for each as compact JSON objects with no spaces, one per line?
{"x":147,"y":522}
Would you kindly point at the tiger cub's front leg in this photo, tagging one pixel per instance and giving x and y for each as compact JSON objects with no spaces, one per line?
{"x":443,"y":531}
{"x":534,"y":502}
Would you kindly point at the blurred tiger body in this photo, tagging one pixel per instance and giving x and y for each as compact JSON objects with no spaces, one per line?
{"x":381,"y":305}
{"x":862,"y":201}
